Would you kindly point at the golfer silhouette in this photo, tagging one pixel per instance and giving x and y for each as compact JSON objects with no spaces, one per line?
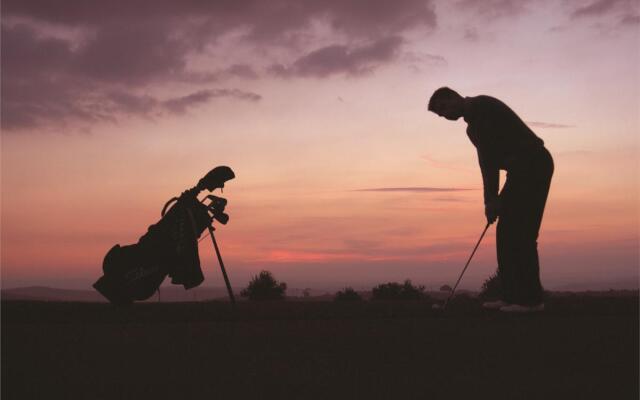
{"x":504,"y":141}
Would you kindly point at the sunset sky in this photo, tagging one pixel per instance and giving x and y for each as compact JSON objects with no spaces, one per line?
{"x":110,"y":108}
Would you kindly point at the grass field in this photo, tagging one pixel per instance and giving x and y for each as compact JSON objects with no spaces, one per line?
{"x":582,"y":347}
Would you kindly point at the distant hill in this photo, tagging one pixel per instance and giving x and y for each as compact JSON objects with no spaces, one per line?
{"x":44,"y":293}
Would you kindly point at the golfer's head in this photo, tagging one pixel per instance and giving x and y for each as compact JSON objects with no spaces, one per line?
{"x":447,"y":103}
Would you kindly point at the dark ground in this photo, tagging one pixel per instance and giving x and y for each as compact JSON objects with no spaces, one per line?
{"x":582,"y":347}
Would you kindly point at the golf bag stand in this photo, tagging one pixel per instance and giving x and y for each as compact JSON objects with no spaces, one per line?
{"x":224,"y":271}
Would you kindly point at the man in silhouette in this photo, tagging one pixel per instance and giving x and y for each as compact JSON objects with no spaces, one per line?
{"x":504,"y":141}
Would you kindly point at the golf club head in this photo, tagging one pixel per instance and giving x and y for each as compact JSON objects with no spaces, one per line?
{"x":216,"y":178}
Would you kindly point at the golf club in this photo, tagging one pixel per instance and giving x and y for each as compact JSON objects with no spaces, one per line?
{"x":437,"y":306}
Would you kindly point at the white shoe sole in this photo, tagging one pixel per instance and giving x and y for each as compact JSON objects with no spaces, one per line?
{"x":494,"y":305}
{"x":516,"y":308}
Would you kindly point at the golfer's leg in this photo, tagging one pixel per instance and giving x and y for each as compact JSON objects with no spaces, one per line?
{"x":532,"y":197}
{"x":504,"y":245}
{"x":529,"y":288}
{"x":523,"y":245}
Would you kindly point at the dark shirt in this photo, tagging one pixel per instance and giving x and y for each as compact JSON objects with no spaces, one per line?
{"x":500,"y":137}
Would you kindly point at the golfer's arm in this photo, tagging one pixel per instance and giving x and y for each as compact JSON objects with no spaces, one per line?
{"x":490,"y":177}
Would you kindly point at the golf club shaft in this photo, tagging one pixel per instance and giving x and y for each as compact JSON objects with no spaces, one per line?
{"x":466,"y":265}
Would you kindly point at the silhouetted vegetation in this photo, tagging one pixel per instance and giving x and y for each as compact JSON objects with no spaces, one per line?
{"x":348,"y":294}
{"x":445,"y":288}
{"x":264,"y":287}
{"x":490,"y":289}
{"x":397,"y":291}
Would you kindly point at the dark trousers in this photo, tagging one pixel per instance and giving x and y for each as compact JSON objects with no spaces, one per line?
{"x":523,"y":198}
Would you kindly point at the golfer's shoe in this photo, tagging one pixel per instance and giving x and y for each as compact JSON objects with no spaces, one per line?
{"x":494,"y":305}
{"x":517,"y":308}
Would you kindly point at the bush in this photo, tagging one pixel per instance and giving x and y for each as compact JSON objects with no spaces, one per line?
{"x":348,"y":294}
{"x":264,"y":287}
{"x":491,"y":288}
{"x":446,"y":288}
{"x":397,"y":291}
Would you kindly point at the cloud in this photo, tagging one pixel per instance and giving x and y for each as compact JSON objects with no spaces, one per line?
{"x":262,"y":22}
{"x":128,"y":103}
{"x":626,"y":11}
{"x":81,"y":60}
{"x":341,"y":59}
{"x":242,"y":71}
{"x":369,"y":251}
{"x":180,"y":104}
{"x":419,"y":189}
{"x":630,"y":19}
{"x":46,"y":81}
{"x":492,"y":9}
{"x":416,"y":60}
{"x":131,"y":54}
{"x":471,"y":34}
{"x":597,"y":8}
{"x":551,"y":125}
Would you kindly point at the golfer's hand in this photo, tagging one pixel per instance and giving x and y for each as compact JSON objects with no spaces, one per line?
{"x":492,"y":211}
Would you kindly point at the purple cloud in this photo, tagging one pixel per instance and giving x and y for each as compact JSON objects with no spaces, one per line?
{"x":241,"y":71}
{"x":46,"y":81}
{"x":596,"y":8}
{"x":626,"y":10}
{"x":471,"y":34}
{"x":129,"y":103}
{"x":180,"y":104}
{"x":432,"y":59}
{"x":492,"y":9}
{"x":630,"y":19}
{"x":262,"y":21}
{"x":131,"y":54}
{"x":339,"y":59}
{"x":111,"y":52}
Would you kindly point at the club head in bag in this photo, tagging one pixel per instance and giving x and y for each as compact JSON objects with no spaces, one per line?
{"x":216,"y":178}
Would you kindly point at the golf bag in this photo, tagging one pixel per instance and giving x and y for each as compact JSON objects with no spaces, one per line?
{"x":169,"y":248}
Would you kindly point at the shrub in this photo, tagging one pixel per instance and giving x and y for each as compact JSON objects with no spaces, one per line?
{"x":264,"y":287}
{"x":446,"y":288}
{"x":490,"y":289}
{"x":348,"y":294}
{"x":397,"y":291}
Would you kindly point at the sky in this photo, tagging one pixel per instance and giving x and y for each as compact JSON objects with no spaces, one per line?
{"x":343,"y":178}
